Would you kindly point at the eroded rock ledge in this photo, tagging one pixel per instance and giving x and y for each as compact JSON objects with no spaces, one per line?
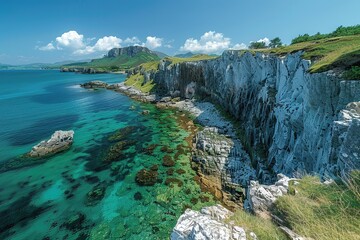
{"x":59,"y":141}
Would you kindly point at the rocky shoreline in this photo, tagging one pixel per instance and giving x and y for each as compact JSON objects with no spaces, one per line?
{"x":216,"y":150}
{"x":223,"y":168}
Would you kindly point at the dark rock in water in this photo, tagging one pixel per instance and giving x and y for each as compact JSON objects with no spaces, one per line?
{"x":170,"y":171}
{"x":94,"y":85}
{"x":180,"y":171}
{"x":59,"y":141}
{"x":20,"y":212}
{"x":167,"y":161}
{"x":92,"y":179}
{"x":154,"y":167}
{"x":83,"y":236}
{"x":122,"y":133}
{"x":146,"y":177}
{"x":155,"y":229}
{"x":138,"y":196}
{"x":75,"y":222}
{"x":194,"y":201}
{"x":145,"y":112}
{"x":171,"y":181}
{"x":166,"y":149}
{"x":150,"y":149}
{"x":95,"y":195}
{"x":116,"y":151}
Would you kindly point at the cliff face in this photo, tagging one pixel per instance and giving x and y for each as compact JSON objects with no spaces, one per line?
{"x":293,"y":121}
{"x":128,"y":51}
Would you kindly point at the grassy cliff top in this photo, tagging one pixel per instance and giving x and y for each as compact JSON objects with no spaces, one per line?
{"x":121,"y":62}
{"x":325,"y":54}
{"x":198,"y":57}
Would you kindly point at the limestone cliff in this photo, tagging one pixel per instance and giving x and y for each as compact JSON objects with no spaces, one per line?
{"x":293,"y":121}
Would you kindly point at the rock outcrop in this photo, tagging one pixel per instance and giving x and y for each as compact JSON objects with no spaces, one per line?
{"x":94,"y":85}
{"x":87,"y":70}
{"x":260,"y":198}
{"x":130,"y":51}
{"x":207,"y":224}
{"x":59,"y":141}
{"x":289,"y":117}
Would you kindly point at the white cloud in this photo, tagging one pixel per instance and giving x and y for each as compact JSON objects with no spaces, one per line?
{"x":48,"y":47}
{"x":103,"y":44}
{"x":70,"y":39}
{"x":210,"y":42}
{"x":132,"y":41}
{"x":78,"y":45}
{"x":153,"y":42}
{"x":239,"y":46}
{"x":264,"y":40}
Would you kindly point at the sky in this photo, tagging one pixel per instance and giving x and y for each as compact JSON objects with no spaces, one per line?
{"x":46,"y":31}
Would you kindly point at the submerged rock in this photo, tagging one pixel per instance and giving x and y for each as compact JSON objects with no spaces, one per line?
{"x":95,"y":195}
{"x":59,"y":141}
{"x":146,"y":177}
{"x":75,"y":222}
{"x":209,"y":223}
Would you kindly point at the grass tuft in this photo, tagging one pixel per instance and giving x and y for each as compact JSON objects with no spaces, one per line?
{"x":321,"y":211}
{"x":263,"y":228}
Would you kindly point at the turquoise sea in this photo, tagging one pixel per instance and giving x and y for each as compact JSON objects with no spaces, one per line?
{"x":90,"y":191}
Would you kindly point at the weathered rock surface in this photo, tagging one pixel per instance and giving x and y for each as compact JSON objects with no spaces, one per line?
{"x":346,"y":131}
{"x":260,"y":198}
{"x":223,"y":157}
{"x":207,"y":224}
{"x":130,"y":51}
{"x":289,"y":116}
{"x":59,"y":141}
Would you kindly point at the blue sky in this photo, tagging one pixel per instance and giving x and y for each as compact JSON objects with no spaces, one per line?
{"x":50,"y":31}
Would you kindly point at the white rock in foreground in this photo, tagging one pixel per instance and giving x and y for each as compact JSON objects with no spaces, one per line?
{"x":261,"y":197}
{"x":207,"y":225}
{"x":59,"y":141}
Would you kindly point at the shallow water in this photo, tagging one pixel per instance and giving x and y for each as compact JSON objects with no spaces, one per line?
{"x":83,"y":193}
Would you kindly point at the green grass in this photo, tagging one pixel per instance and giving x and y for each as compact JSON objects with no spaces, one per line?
{"x":352,"y":73}
{"x":199,"y":57}
{"x":138,"y":82}
{"x":122,"y":62}
{"x":263,"y":228}
{"x":326,"y":54}
{"x":320,"y":211}
{"x":150,"y":66}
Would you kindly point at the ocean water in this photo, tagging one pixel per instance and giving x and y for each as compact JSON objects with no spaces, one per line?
{"x":90,"y":191}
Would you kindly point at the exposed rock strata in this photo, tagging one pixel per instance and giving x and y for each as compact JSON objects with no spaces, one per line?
{"x":59,"y":141}
{"x":289,"y":116}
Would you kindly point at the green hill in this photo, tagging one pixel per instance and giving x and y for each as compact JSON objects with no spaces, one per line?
{"x":118,"y":59}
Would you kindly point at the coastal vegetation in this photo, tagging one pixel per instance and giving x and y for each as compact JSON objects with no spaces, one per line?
{"x":118,"y":63}
{"x":322,"y":211}
{"x":327,"y":53}
{"x":339,"y":32}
